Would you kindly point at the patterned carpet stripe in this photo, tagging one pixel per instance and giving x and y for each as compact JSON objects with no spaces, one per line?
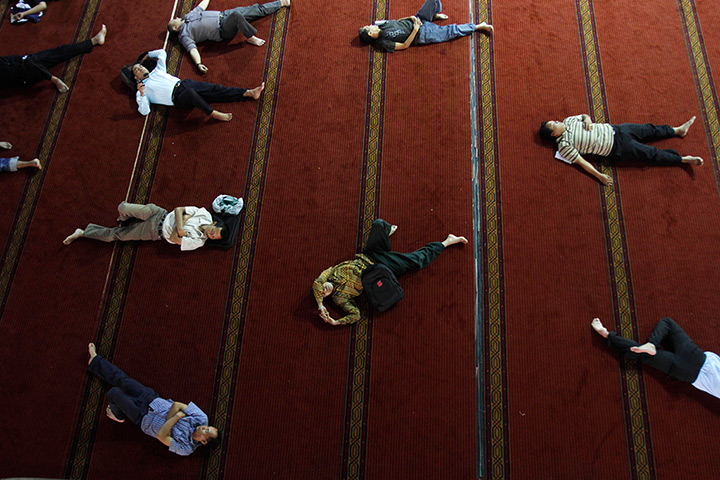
{"x":703,"y":79}
{"x":33,"y":186}
{"x":236,"y":310}
{"x":119,"y":284}
{"x":635,"y":409}
{"x":359,"y":360}
{"x":497,"y":453}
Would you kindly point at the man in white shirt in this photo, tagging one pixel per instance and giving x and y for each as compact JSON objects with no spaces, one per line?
{"x":681,"y":359}
{"x":162,"y":88}
{"x":188,"y":227}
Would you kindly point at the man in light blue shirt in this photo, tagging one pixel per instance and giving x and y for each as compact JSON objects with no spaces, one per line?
{"x":162,"y":88}
{"x":181,"y":427}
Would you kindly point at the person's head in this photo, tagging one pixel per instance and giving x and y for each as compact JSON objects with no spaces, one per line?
{"x":551,"y":129}
{"x":139,"y":72}
{"x":369,"y":33}
{"x":216,"y":231}
{"x":174,"y":25}
{"x":207,"y":435}
{"x":327,"y":289}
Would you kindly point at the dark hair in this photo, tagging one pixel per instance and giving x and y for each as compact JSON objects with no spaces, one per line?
{"x":365,"y":36}
{"x":223,"y":228}
{"x":215,"y":441}
{"x":545,"y":132}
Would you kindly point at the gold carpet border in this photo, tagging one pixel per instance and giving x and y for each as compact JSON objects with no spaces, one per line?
{"x":34,"y":183}
{"x":247,"y":236}
{"x":638,"y":423}
{"x":498,"y":454}
{"x":123,"y":274}
{"x":363,"y":328}
{"x":705,"y":82}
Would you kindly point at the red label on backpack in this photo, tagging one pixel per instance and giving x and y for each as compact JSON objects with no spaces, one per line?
{"x":379,"y":283}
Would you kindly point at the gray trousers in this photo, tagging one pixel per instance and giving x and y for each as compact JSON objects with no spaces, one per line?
{"x":150,"y":217}
{"x":238,"y":19}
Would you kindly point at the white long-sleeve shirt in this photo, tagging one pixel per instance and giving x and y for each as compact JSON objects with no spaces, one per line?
{"x":159,"y":85}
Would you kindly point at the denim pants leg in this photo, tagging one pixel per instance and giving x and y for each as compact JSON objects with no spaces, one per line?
{"x":431,"y":33}
{"x":128,"y":398}
{"x":428,"y":10}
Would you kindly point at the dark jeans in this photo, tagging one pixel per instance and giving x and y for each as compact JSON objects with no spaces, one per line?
{"x":16,"y":70}
{"x":681,"y":359}
{"x":191,"y":93}
{"x":128,"y":398}
{"x":238,"y":19}
{"x":378,"y":248}
{"x":629,"y":144}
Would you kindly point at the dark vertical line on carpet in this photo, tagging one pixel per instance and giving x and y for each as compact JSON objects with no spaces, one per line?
{"x":357,"y":395}
{"x":703,"y":79}
{"x":78,"y":462}
{"x":492,"y":360}
{"x":20,"y":226}
{"x":637,"y":423}
{"x":230,"y":349}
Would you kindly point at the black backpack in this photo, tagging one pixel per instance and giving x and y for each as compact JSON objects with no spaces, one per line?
{"x":381,"y":287}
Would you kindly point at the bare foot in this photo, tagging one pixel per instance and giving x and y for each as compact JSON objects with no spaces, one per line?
{"x":682,"y":130}
{"x":453,"y":239}
{"x":59,"y":84}
{"x":6,"y":145}
{"x":223,"y":117}
{"x":648,"y":348}
{"x":76,"y":234}
{"x":99,"y":39}
{"x":598,"y":326}
{"x":393,"y":228}
{"x":692,"y":160}
{"x":285,"y":3}
{"x":111,"y":415}
{"x":258,"y":42}
{"x":255,"y":92}
{"x":35,"y":163}
{"x":440,"y":16}
{"x":485,"y":27}
{"x":92,"y":351}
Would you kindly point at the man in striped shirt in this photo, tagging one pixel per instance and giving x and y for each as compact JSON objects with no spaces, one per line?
{"x":577,"y":136}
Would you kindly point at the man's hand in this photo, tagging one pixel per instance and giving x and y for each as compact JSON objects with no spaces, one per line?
{"x":417,"y":22}
{"x":327,"y":289}
{"x":587,"y":123}
{"x":203,"y":69}
{"x":141,"y":88}
{"x":180,"y":231}
{"x":18,"y":16}
{"x":326,"y":316}
{"x":606,"y":180}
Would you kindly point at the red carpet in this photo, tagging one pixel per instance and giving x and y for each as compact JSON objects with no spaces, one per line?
{"x":343,"y":135}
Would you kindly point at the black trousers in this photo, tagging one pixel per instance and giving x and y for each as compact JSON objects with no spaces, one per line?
{"x":191,"y":93}
{"x":378,"y":248}
{"x":629,"y":144}
{"x":681,"y":359}
{"x":17,"y":70}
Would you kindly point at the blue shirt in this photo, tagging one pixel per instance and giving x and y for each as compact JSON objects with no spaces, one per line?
{"x":182,"y":442}
{"x":708,"y":379}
